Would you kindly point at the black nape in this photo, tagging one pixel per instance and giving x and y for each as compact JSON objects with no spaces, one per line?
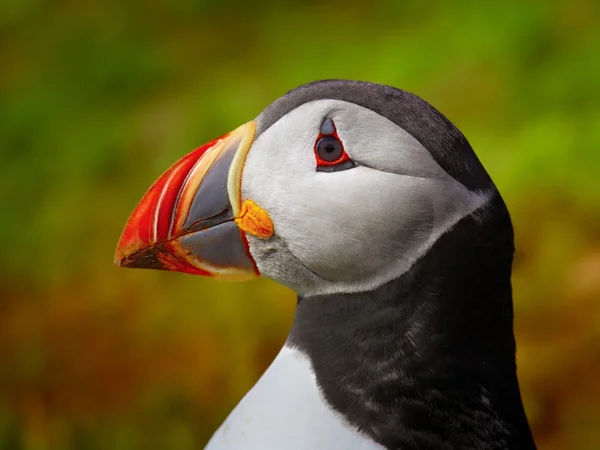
{"x":427,"y":361}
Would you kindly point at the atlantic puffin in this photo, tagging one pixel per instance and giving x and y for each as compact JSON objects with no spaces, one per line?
{"x":373,"y":207}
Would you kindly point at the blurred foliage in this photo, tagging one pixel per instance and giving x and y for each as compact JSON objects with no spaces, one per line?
{"x":97,"y":98}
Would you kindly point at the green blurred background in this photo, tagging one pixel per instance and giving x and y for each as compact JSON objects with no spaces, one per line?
{"x":97,"y":98}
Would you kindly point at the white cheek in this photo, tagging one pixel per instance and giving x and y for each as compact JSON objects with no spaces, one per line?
{"x":355,"y":229}
{"x":350,"y":225}
{"x":354,"y":226}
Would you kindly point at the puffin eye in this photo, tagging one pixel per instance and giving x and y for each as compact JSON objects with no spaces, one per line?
{"x":329,"y":150}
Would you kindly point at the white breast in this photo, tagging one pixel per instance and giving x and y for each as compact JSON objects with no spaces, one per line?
{"x":285,"y":410}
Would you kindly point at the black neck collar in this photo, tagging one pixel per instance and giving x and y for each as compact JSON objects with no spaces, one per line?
{"x":428,"y":359}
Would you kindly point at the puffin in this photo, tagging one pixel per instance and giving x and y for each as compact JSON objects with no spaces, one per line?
{"x":373,"y":207}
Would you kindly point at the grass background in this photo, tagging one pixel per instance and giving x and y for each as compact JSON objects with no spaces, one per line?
{"x":97,"y":98}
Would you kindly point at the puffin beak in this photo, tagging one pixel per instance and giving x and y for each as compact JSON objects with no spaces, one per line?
{"x":191,"y":219}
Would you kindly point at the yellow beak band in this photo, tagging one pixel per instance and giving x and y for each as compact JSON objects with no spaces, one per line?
{"x":254,"y":220}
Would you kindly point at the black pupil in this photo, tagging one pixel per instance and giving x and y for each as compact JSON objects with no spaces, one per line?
{"x":329,"y":149}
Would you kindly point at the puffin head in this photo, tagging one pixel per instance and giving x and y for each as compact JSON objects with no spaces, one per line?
{"x":338,"y":186}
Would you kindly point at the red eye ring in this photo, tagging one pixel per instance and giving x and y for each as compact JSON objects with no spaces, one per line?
{"x":326,"y":141}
